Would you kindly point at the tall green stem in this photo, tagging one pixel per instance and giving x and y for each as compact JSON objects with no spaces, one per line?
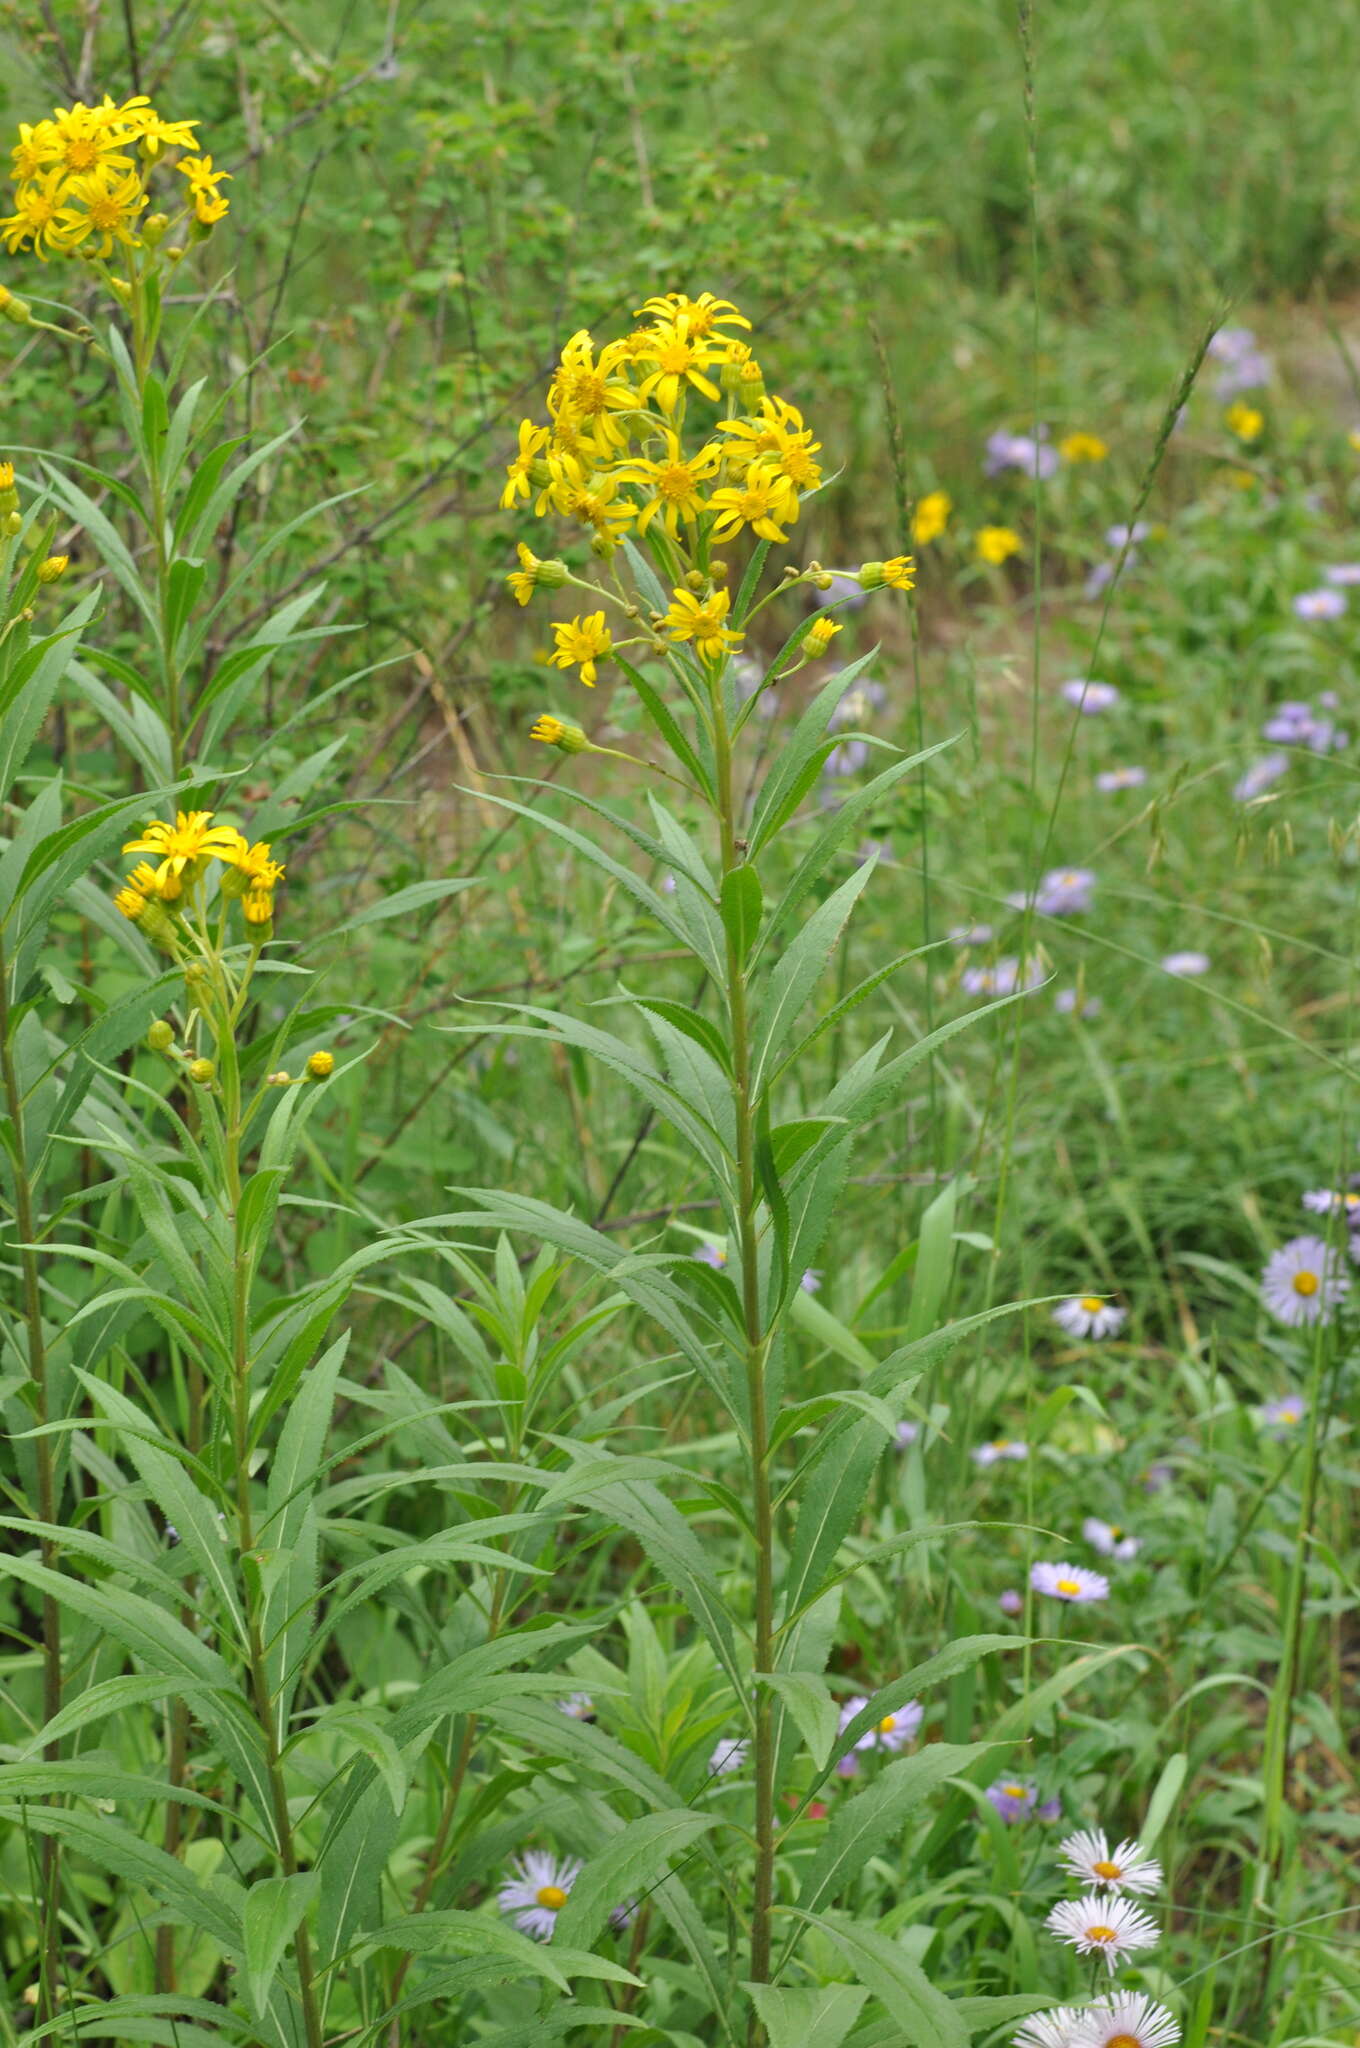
{"x":757,"y":1347}
{"x":36,"y":1345}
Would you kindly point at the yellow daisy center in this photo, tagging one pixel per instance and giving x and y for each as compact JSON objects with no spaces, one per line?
{"x":675,"y":357}
{"x":674,"y":482}
{"x":800,"y":468}
{"x":552,"y":1896}
{"x":1092,"y":1304}
{"x":1015,"y":1791}
{"x":1102,"y":1934}
{"x":1109,"y":1871}
{"x":1072,"y":1586}
{"x":1123,"y":2041}
{"x":1305,"y":1283}
{"x":105,"y":210}
{"x":82,"y":153}
{"x":887,"y":1724}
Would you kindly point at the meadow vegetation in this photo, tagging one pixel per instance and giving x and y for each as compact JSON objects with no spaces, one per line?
{"x":677,"y":936}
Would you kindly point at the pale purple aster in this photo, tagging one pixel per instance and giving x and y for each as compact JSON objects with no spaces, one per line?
{"x":729,"y":1756}
{"x":1230,"y":344}
{"x":811,"y":1282}
{"x":1072,"y":1582}
{"x":905,"y":1435}
{"x":1011,"y":1601}
{"x":1323,"y":737}
{"x":1290,"y":722}
{"x":1002,"y":979}
{"x":1014,"y":1798}
{"x":578,"y":1706}
{"x":1065,"y":892}
{"x":1328,"y":699}
{"x":847,"y":758}
{"x":1111,"y":779}
{"x":1258,"y":778}
{"x":1110,"y":1540}
{"x":1328,"y":1201}
{"x":1048,"y":1809}
{"x":1156,"y":1479}
{"x":1186,"y":965}
{"x":845,"y":591}
{"x":1284,"y":1415}
{"x":1103,"y":1924}
{"x":1131,"y":2020}
{"x":1249,"y":373}
{"x":848,"y":1765}
{"x":1000,"y":1451}
{"x":621,"y":1918}
{"x":1342,"y":574}
{"x":1319,"y":604}
{"x":858,"y":705}
{"x":1088,"y":1315}
{"x":970,"y":934}
{"x":1019,"y":451}
{"x":1099,"y":577}
{"x":1303,"y":1282}
{"x":893,"y":1732}
{"x":1065,"y":1003}
{"x":538,"y":1890}
{"x":1127,"y":536}
{"x":711,"y":1255}
{"x":1088,"y":695}
{"x":1055,"y":2029}
{"x":1128,"y":1868}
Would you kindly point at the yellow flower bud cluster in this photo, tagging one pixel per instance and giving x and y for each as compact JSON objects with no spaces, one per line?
{"x":82,"y":183}
{"x":179,"y":856}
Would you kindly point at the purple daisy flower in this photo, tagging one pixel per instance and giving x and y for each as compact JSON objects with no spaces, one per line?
{"x":1257,"y":779}
{"x":1185,"y":966}
{"x":1111,"y":779}
{"x":1088,"y":695}
{"x":538,"y":1890}
{"x":1341,"y":574}
{"x":1011,"y":1601}
{"x":1065,"y":892}
{"x":1014,"y":1798}
{"x":1325,"y":603}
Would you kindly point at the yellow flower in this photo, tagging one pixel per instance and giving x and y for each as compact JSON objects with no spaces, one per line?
{"x":1082,"y":447}
{"x":703,"y":622}
{"x":702,"y":316}
{"x":6,"y":476}
{"x":36,"y":149}
{"x":130,"y":902}
{"x":776,"y":435}
{"x":761,"y":501}
{"x":39,"y":216}
{"x":680,"y":358}
{"x":555,"y":732}
{"x":53,"y":567}
{"x":193,"y":836}
{"x":673,"y":484}
{"x":90,"y":139}
{"x":897,"y":574}
{"x":200,"y":173}
{"x":532,"y":441}
{"x":210,"y":206}
{"x":584,"y":640}
{"x":259,"y":906}
{"x":253,"y":861}
{"x":147,"y":882}
{"x":1244,"y":420}
{"x":586,"y":392}
{"x":819,"y":636}
{"x":931,"y":518}
{"x":153,"y":133}
{"x":591,"y":500}
{"x":533,"y":574}
{"x":1354,"y":439}
{"x":102,"y":211}
{"x":320,"y":1065}
{"x":996,"y":544}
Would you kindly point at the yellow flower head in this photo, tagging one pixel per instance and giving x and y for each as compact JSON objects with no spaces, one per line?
{"x":532,"y":441}
{"x":148,"y":882}
{"x":819,"y":636}
{"x":671,"y":487}
{"x":593,"y":501}
{"x":533,"y":574}
{"x":584,"y":641}
{"x":587,"y":393}
{"x":53,"y":567}
{"x":102,"y":210}
{"x":259,"y":906}
{"x":193,"y":836}
{"x":703,"y":621}
{"x":254,"y":862}
{"x":320,"y":1065}
{"x":6,"y":476}
{"x":90,"y":139}
{"x":1082,"y":447}
{"x":200,"y":173}
{"x":776,"y":435}
{"x":931,"y":518}
{"x":40,"y":216}
{"x":703,"y":316}
{"x":1244,"y":420}
{"x":996,"y":544}
{"x":556,"y":732}
{"x":681,"y":358}
{"x":36,"y":150}
{"x":897,"y":574}
{"x":764,"y":500}
{"x":210,"y":206}
{"x":128,"y":900}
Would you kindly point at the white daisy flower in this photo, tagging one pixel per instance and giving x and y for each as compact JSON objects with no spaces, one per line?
{"x":1132,"y":2021}
{"x":906,"y":1435}
{"x":1111,"y":779}
{"x":1056,"y":2029}
{"x":1088,"y":695}
{"x":1088,"y":1855}
{"x":538,"y":1891}
{"x":729,"y":1756}
{"x":1303,"y":1282}
{"x":1089,"y":1315}
{"x":1103,"y":1924}
{"x":1186,"y":965}
{"x":970,"y":934}
{"x":1109,"y":1539}
{"x":1069,"y":1582}
{"x":1327,"y":1201}
{"x":578,"y":1706}
{"x":993,"y":1453}
{"x":893,"y":1732}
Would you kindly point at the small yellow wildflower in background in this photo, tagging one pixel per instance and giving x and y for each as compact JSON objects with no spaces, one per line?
{"x":897,"y":574}
{"x":996,"y":544}
{"x":555,"y":732}
{"x":702,"y":621}
{"x":582,"y":640}
{"x":532,"y":441}
{"x":81,"y":180}
{"x":931,"y":517}
{"x":820,"y":635}
{"x":53,"y":567}
{"x":1082,"y":447}
{"x":1244,"y":420}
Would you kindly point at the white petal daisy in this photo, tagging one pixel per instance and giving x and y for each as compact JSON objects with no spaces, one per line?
{"x":1056,"y":2029}
{"x":1110,"y":1539}
{"x":1129,"y":2022}
{"x":1069,"y":1582}
{"x":1103,"y":1924}
{"x":1088,"y":1855}
{"x":729,"y":1756}
{"x":538,"y":1891}
{"x":1303,"y":1282}
{"x":1089,"y":1315}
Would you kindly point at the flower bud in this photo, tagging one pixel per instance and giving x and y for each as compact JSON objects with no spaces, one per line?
{"x":121,"y":288}
{"x":554,"y":732}
{"x":174,"y":253}
{"x":54,"y":567}
{"x":898,"y":574}
{"x":161,"y":1036}
{"x":11,"y":524}
{"x":281,"y":1079}
{"x":155,"y":224}
{"x":750,"y":384}
{"x":816,"y":574}
{"x":820,"y":635}
{"x":202,"y":1071}
{"x":696,"y":581}
{"x":194,"y":972}
{"x":718,"y":573}
{"x":321,"y":1065}
{"x":17,"y":310}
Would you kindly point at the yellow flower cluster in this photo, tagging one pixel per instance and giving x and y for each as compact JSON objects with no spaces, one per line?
{"x":613,"y":457}
{"x":81,"y":179}
{"x":180,"y":852}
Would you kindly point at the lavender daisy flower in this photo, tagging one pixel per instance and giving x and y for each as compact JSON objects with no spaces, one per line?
{"x":1230,"y":344}
{"x":1127,"y":536}
{"x":905,"y":1435}
{"x":1055,"y":2029}
{"x":1019,"y":451}
{"x":729,"y":1756}
{"x":1110,"y":1540}
{"x":1303,"y":1282}
{"x":1111,"y":779}
{"x":846,"y":759}
{"x":1088,"y":695}
{"x":858,"y":705}
{"x":1258,"y":778}
{"x":538,"y":1891}
{"x":1156,"y":1479}
{"x":1342,"y":574}
{"x":1319,"y":604}
{"x":579,"y":1706}
{"x":811,"y":1282}
{"x":1065,"y":1003}
{"x":1050,"y":1809}
{"x":712,"y":1255}
{"x":1290,"y":722}
{"x":1282,"y":1416}
{"x":1014,"y":1798}
{"x":1011,"y":1601}
{"x":1249,"y":373}
{"x":1065,"y":892}
{"x":1130,"y":2021}
{"x":1103,"y":1924}
{"x":1087,"y":1315}
{"x":970,"y":934}
{"x":1186,"y":965}
{"x":1069,"y":1582}
{"x":1099,"y":577}
{"x":1128,"y":1868}
{"x":893,"y":1732}
{"x":998,"y":1452}
{"x":848,"y":1765}
{"x":1328,"y":1201}
{"x":1003,"y":979}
